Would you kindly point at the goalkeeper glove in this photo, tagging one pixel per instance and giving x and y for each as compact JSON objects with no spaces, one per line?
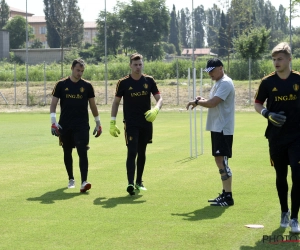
{"x":55,"y":129}
{"x":113,"y":129}
{"x":277,"y":119}
{"x":55,"y":126}
{"x":151,"y":114}
{"x":98,"y":129}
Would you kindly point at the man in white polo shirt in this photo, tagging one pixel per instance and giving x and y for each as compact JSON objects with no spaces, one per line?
{"x":220,"y":121}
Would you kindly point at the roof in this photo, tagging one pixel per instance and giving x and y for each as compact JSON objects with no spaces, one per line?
{"x":90,"y":25}
{"x":36,"y":19}
{"x":199,"y":51}
{"x":19,"y":11}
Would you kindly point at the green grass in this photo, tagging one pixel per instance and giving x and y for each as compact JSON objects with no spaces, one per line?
{"x":38,"y":212}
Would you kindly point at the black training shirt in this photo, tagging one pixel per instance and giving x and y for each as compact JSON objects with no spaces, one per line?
{"x":282,"y":95}
{"x":73,"y":101}
{"x":136,"y":97}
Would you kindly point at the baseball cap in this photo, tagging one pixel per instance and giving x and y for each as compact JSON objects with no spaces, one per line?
{"x":213,"y":63}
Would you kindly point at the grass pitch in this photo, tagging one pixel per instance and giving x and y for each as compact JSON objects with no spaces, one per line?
{"x":39,"y":212}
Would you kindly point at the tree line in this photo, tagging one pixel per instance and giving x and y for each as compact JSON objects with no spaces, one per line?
{"x":150,"y":28}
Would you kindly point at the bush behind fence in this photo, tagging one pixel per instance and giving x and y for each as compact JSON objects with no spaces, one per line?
{"x":239,"y":70}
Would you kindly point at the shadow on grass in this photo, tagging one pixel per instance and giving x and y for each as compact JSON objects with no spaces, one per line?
{"x":206,"y":213}
{"x":113,"y":202}
{"x":186,"y":160}
{"x":57,"y":195}
{"x":277,"y":240}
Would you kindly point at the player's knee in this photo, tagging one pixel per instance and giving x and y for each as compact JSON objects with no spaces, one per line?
{"x":226,"y":171}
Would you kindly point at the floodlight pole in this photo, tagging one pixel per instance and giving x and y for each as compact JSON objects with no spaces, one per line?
{"x":27,"y":84}
{"x":105,"y":45}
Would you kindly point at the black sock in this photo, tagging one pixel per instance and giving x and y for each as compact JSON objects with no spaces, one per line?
{"x":228,"y":195}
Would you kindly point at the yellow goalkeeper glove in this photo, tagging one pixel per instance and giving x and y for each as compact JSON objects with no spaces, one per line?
{"x":114,"y":130}
{"x":151,"y":114}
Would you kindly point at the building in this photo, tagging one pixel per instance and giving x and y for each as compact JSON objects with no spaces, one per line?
{"x":197,"y":52}
{"x":90,"y":32}
{"x":38,"y":56}
{"x":40,"y":28}
{"x":38,"y":23}
{"x":17,"y":12}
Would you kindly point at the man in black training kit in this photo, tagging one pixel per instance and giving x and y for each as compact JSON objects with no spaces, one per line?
{"x":281,"y":90}
{"x":73,"y":127}
{"x":136,"y":90}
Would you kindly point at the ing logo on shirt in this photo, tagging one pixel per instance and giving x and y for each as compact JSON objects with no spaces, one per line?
{"x":296,"y":87}
{"x":274,"y":89}
{"x":145,"y":85}
{"x":139,"y":93}
{"x":66,"y":89}
{"x":285,"y":98}
{"x":81,"y":89}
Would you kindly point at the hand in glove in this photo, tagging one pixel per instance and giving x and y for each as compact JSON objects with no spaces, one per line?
{"x":151,"y":114}
{"x":55,"y":129}
{"x":113,"y":129}
{"x":98,"y":129}
{"x":277,"y":119}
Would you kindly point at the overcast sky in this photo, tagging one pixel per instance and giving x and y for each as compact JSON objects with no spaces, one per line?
{"x":90,"y":8}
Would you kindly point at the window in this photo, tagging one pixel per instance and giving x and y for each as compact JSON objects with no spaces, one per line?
{"x":43,"y":30}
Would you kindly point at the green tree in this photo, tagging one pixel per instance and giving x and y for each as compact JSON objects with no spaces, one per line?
{"x":65,"y":18}
{"x":37,"y":44}
{"x":114,"y":28}
{"x":147,"y":23}
{"x":252,"y":44}
{"x":183,"y":29}
{"x":64,"y":23}
{"x":17,"y":32}
{"x":213,"y":20}
{"x":53,"y":38}
{"x":200,"y":18}
{"x":174,"y":31}
{"x":4,"y":13}
{"x":223,"y":38}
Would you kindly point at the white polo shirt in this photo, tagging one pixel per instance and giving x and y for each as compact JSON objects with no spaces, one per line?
{"x":221,"y":117}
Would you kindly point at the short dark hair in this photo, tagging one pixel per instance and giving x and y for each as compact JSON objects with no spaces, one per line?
{"x":135,"y":56}
{"x":78,"y":61}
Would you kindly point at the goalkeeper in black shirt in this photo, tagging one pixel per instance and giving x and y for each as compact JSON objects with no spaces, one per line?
{"x":281,"y":91}
{"x":73,"y":127}
{"x":136,"y":89}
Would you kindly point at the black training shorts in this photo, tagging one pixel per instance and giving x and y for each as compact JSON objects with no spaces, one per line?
{"x":141,"y":134}
{"x":285,"y":154}
{"x":71,"y":138}
{"x":221,"y":144}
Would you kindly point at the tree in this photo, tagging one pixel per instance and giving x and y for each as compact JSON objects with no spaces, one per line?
{"x":147,"y":23}
{"x":252,"y":44}
{"x":37,"y":44}
{"x":213,"y":20}
{"x":200,"y":18}
{"x":174,"y":31}
{"x":4,"y":13}
{"x":65,"y":18}
{"x":114,"y":28}
{"x":17,"y":32}
{"x":53,"y":38}
{"x":223,"y":37}
{"x":183,"y":29}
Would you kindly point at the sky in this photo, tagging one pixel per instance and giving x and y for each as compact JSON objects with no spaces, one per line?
{"x":90,"y":8}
